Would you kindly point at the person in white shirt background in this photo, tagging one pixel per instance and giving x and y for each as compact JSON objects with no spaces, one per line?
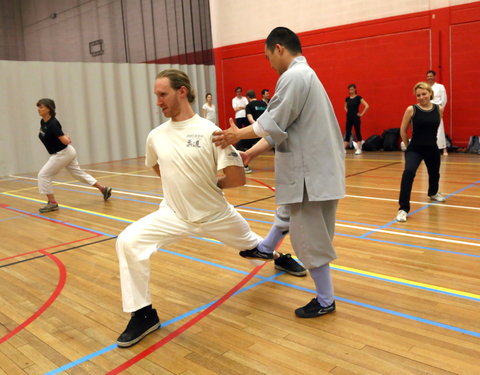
{"x":208,"y":109}
{"x":440,"y":98}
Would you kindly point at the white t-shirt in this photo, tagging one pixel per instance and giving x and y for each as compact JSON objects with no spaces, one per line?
{"x":211,"y":112}
{"x":189,"y":161}
{"x":439,"y":94}
{"x":240,"y":102}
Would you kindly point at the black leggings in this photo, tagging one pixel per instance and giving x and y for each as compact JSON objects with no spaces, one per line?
{"x":413,"y":158}
{"x":352,"y":121}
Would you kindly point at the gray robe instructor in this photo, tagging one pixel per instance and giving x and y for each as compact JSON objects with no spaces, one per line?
{"x":309,"y":160}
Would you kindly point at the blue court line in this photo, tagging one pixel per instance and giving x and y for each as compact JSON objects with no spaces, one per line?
{"x":336,"y":234}
{"x":387,"y":311}
{"x":62,"y":222}
{"x":378,"y":226}
{"x":264,"y":280}
{"x":164,"y":324}
{"x":405,"y":284}
{"x":422,"y":208}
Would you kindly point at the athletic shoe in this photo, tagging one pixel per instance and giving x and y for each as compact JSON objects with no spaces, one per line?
{"x":107,"y":192}
{"x":358,"y":151}
{"x":142,"y":322}
{"x":247,"y":170}
{"x":289,"y":265}
{"x":438,"y":197}
{"x":402,"y":216}
{"x":314,"y":309}
{"x":256,"y":254}
{"x":48,"y":207}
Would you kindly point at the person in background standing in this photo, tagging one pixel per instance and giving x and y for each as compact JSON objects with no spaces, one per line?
{"x":352,"y":108}
{"x":266,"y":95}
{"x":440,"y":98}
{"x":208,"y":109}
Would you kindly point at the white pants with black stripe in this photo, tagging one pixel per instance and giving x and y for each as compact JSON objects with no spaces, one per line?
{"x":67,"y":158}
{"x":136,"y":244}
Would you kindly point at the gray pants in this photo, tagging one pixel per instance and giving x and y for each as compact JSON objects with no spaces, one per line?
{"x":312,"y":227}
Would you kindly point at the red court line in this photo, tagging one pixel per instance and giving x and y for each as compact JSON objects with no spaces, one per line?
{"x":262,"y":183}
{"x":184,"y":327}
{"x":61,"y":282}
{"x":50,"y":247}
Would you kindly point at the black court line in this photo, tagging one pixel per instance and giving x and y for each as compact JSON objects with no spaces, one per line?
{"x":58,"y":251}
{"x":256,"y":200}
{"x":372,"y":169}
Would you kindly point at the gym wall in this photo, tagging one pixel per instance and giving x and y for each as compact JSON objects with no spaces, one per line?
{"x":105,"y":100}
{"x":383,"y":46}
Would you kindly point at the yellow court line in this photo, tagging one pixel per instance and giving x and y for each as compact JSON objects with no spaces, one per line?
{"x":408,"y":282}
{"x":73,"y":208}
{"x":361,"y":272}
{"x":64,"y":182}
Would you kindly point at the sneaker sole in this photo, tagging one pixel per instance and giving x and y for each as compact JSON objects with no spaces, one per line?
{"x":307,"y":316}
{"x":50,"y":210}
{"x":134,"y":341}
{"x":299,"y":273}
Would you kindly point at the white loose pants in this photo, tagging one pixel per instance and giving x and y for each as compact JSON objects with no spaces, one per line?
{"x":67,"y":158}
{"x":441,"y":139}
{"x":136,"y":244}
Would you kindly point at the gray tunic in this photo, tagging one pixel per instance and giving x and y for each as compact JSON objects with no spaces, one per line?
{"x":309,"y":146}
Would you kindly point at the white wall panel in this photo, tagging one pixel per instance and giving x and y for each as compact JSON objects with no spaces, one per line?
{"x":236,"y":21}
{"x":108,"y":109}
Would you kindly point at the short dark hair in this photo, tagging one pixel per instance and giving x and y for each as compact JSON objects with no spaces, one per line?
{"x":238,"y":88}
{"x":285,"y":37}
{"x":432,"y":71}
{"x":49,"y":103}
{"x":352,"y":85}
{"x":264,"y":91}
{"x":208,"y":93}
{"x":251,"y":94}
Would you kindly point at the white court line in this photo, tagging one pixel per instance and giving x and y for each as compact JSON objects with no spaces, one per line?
{"x":272,"y":214}
{"x":122,"y":174}
{"x":261,"y":187}
{"x":115,"y":191}
{"x":378,"y":230}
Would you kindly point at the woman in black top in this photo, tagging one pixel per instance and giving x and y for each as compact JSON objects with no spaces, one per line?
{"x":62,"y":155}
{"x":425,"y":118}
{"x":352,"y":107}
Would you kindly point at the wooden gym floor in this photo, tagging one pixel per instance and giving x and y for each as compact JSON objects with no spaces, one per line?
{"x":408,"y":294}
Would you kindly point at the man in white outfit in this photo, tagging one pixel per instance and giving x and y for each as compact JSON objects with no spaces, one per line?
{"x":440,"y":98}
{"x":182,"y":153}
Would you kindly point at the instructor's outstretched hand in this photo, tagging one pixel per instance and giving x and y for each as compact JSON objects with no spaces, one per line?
{"x":226,"y":137}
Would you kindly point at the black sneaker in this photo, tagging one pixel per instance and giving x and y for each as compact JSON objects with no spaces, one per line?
{"x":289,"y":265}
{"x":142,"y":322}
{"x":107,"y":192}
{"x":314,"y":309}
{"x":256,"y":254}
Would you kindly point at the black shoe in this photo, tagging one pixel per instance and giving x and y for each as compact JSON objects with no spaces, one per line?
{"x":107,"y":192}
{"x":314,"y":309}
{"x":289,"y":265}
{"x":256,"y":254}
{"x":142,"y":322}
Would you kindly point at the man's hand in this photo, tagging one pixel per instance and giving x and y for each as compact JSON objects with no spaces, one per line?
{"x":226,"y":137}
{"x":245,"y":157}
